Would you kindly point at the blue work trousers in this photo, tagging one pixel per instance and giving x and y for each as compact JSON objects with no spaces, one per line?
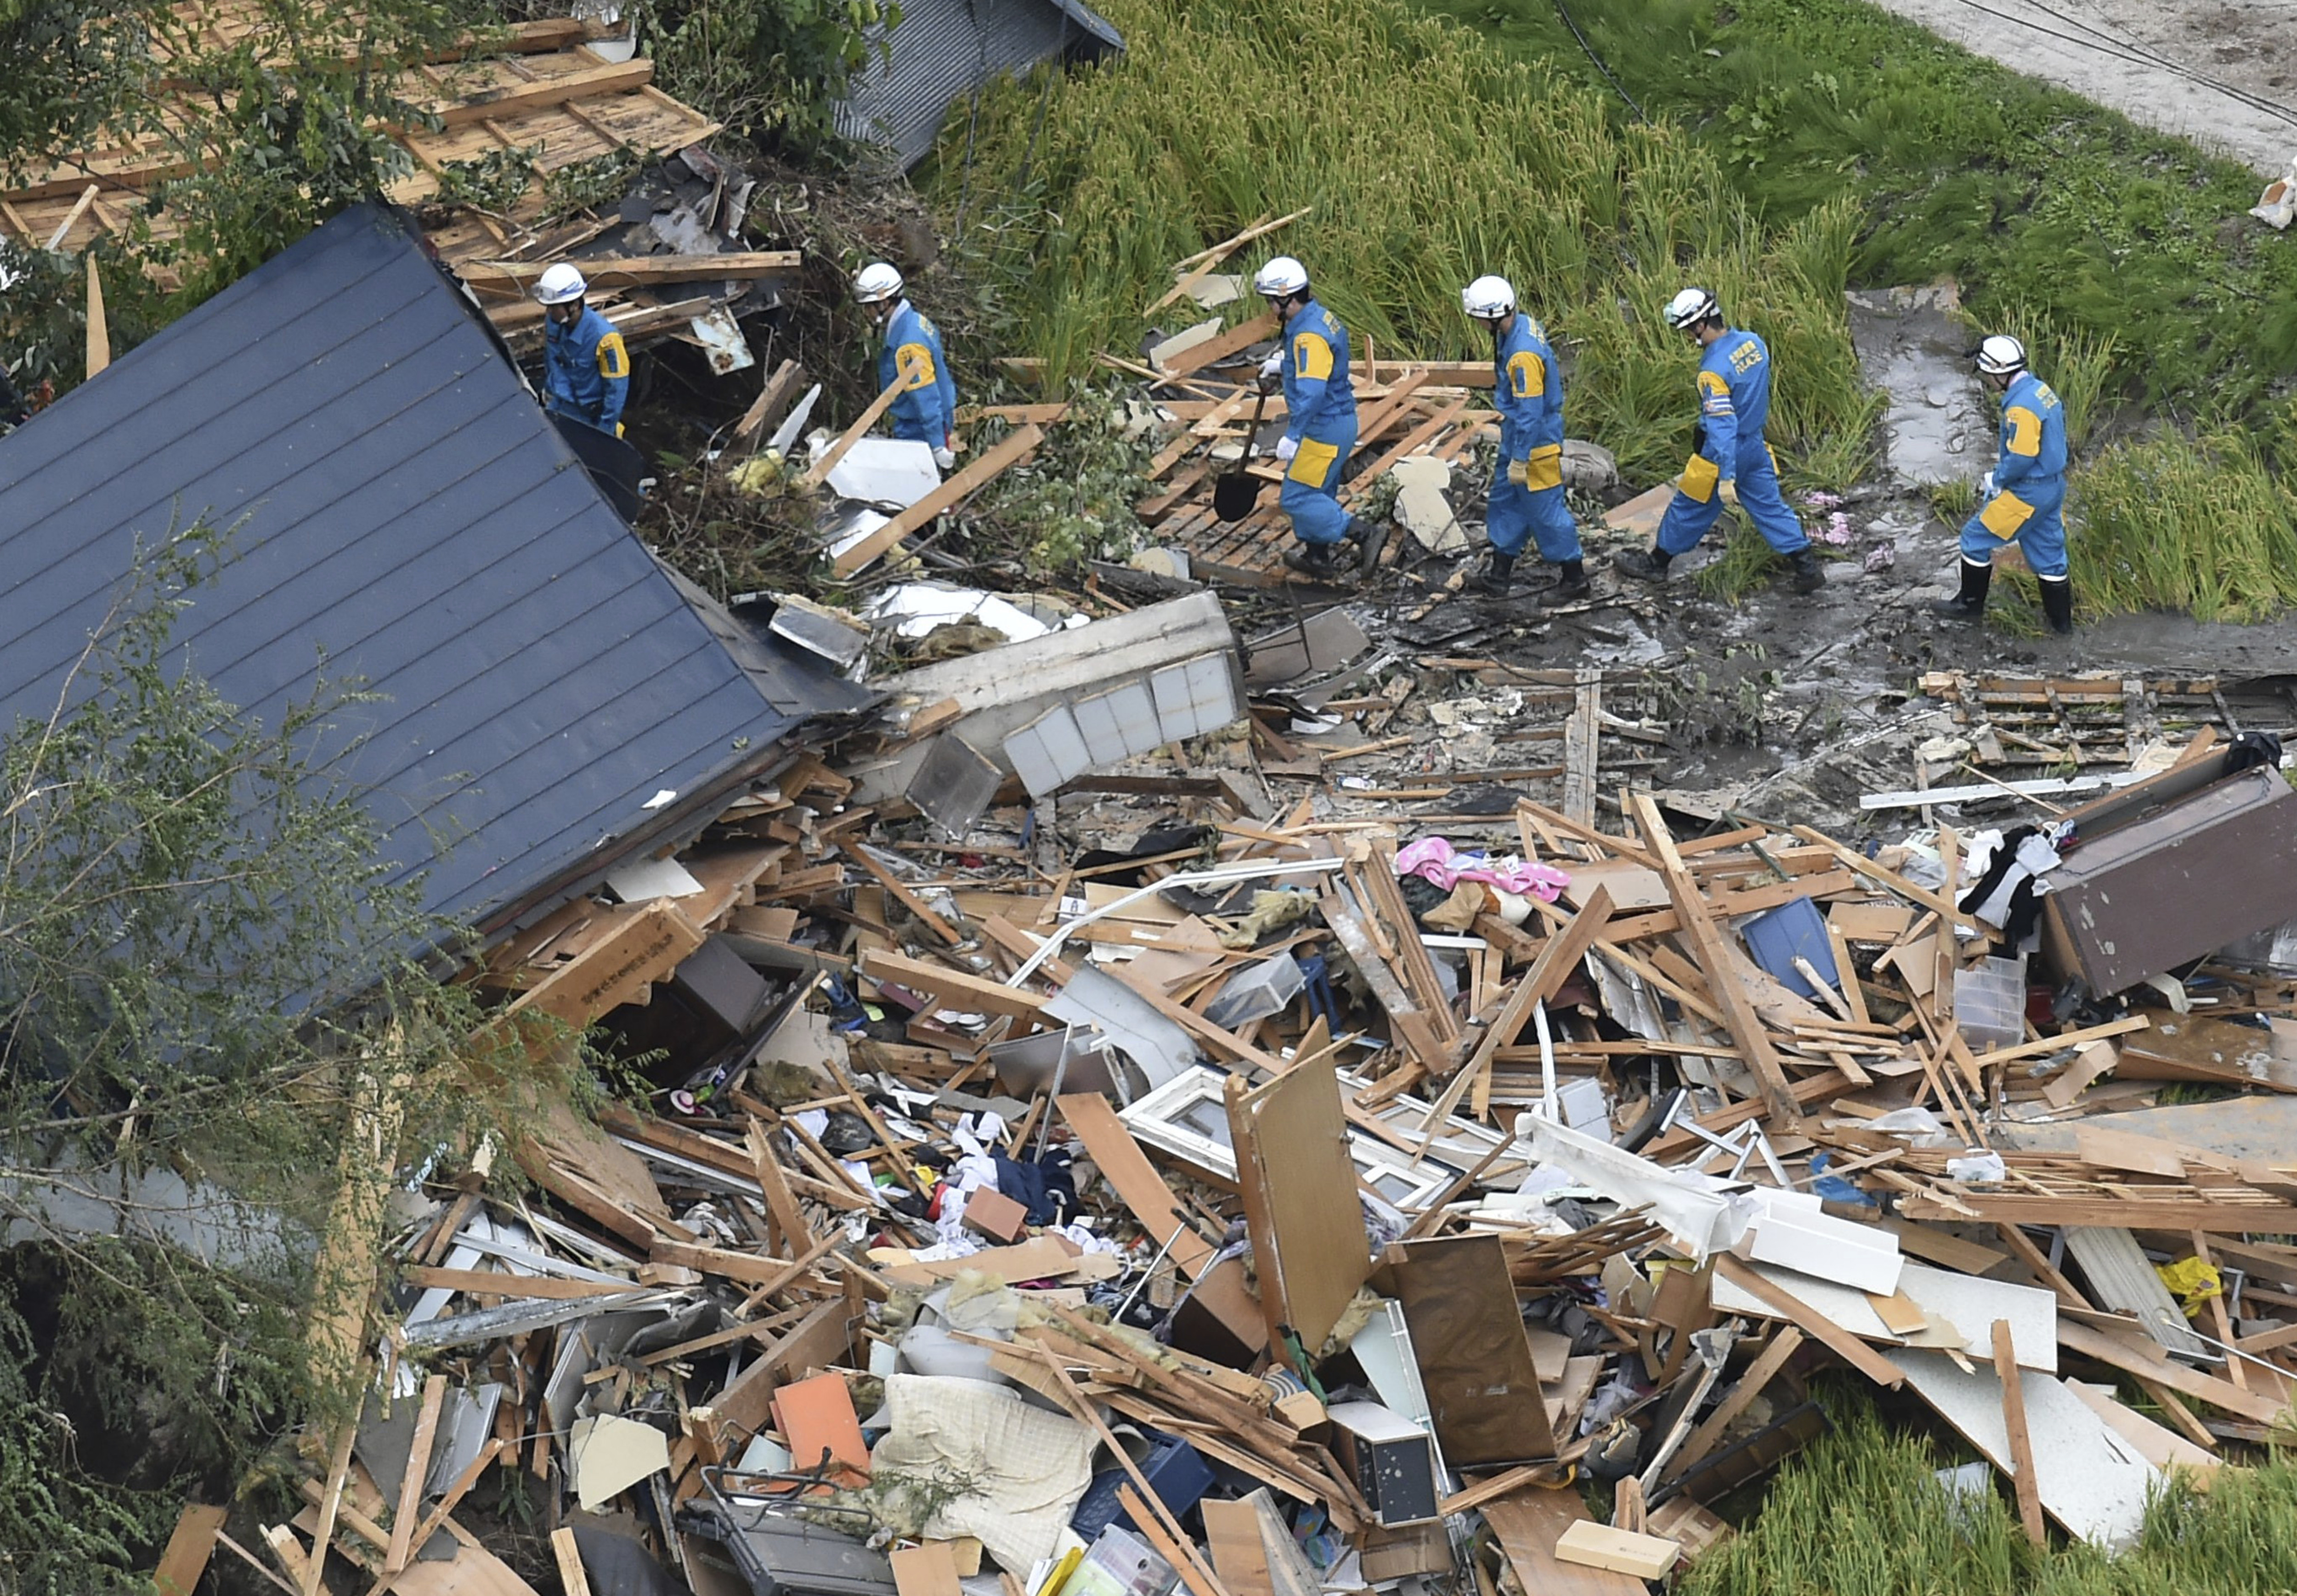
{"x":1311,"y":483}
{"x":2031,"y":515}
{"x":1516,"y":515}
{"x":1688,"y":520}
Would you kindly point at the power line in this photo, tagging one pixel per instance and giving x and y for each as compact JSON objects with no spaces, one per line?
{"x":1573,"y":25}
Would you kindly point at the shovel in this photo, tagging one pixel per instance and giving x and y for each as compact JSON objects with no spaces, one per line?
{"x":1235,"y":494}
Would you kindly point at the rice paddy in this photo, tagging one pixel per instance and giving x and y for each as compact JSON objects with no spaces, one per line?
{"x":1864,"y":1513}
{"x":1426,"y":160}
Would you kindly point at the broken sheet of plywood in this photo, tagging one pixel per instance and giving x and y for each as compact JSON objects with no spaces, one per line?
{"x":1969,"y":1305}
{"x":2091,"y":1480}
{"x":1467,"y":1332}
{"x":1528,"y":1523}
{"x":1299,"y":1189}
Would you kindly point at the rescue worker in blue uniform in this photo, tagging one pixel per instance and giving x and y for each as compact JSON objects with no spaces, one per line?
{"x":1729,"y":464}
{"x":586,"y":371}
{"x":2024,"y":498}
{"x":1311,"y":364}
{"x":926,"y":410}
{"x":1527,"y":499}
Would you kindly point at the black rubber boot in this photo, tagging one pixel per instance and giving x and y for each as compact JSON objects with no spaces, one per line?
{"x":1496,"y":576}
{"x":1570,"y":581}
{"x":1319,"y":561}
{"x":1808,"y":577}
{"x":1370,"y":539}
{"x":2058,"y":604}
{"x":1969,"y":604}
{"x":1648,"y":566}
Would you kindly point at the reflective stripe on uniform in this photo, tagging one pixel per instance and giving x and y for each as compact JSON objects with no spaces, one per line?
{"x":1312,"y":356}
{"x":1526,"y":375}
{"x":614,"y":359}
{"x":1714,"y":394}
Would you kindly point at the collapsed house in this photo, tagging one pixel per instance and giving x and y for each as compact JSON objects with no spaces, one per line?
{"x":548,"y":700}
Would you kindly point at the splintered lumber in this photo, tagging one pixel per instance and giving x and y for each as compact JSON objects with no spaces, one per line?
{"x":1817,"y":1325}
{"x":2022,"y":1445}
{"x":644,"y":946}
{"x":1015,"y":446}
{"x":1785,"y":1343}
{"x":634,"y":271}
{"x":1739,"y":1018}
{"x":1235,"y":340}
{"x":2147,"y":1363}
{"x":418,"y":1465}
{"x":189,"y":1546}
{"x":951,"y":989}
{"x":1557,"y":959}
{"x":1134,"y":1179}
{"x":905,"y":371}
{"x":773,"y":401}
{"x":569,"y":1563}
{"x":492,"y":105}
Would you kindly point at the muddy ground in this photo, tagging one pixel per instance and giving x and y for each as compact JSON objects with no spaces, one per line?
{"x":1786,"y":705}
{"x":2221,"y":73}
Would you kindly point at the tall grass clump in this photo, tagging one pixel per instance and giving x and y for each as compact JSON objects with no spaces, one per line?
{"x":2173,"y":523}
{"x":1862,"y":1513}
{"x":1426,"y":160}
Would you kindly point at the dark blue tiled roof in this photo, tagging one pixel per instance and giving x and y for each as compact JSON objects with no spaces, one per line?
{"x":403,"y":507}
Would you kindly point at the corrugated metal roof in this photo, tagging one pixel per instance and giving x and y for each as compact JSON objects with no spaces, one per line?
{"x":942,"y":49}
{"x":405,"y":507}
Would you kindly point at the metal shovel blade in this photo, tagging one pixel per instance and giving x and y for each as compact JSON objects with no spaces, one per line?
{"x":1235,"y":494}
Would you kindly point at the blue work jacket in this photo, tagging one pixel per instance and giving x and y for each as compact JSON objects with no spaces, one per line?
{"x":1527,"y":389}
{"x":586,"y":371}
{"x":927,"y":411}
{"x":2033,"y":438}
{"x":1317,"y":393}
{"x":1734,"y":400}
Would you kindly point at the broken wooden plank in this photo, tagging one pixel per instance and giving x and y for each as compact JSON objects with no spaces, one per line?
{"x":418,"y":1466}
{"x":1134,"y":1179}
{"x":2022,"y":1445}
{"x":1015,"y":446}
{"x":189,"y":1546}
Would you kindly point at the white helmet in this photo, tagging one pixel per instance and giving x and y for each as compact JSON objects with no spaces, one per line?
{"x":1688,"y":308}
{"x":876,"y":281}
{"x":2001,"y":355}
{"x":1280,"y":278}
{"x":1487,"y":298}
{"x":560,"y":285}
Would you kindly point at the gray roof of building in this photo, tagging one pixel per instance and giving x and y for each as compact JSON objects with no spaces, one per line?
{"x":942,"y":50}
{"x":404,"y":508}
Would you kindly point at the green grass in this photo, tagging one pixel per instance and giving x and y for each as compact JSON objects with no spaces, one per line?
{"x":2120,"y":256}
{"x":1861,"y":1513}
{"x":2039,"y":202}
{"x":1428,"y":159}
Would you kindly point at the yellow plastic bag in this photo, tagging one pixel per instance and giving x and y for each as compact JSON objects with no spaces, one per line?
{"x":2192,"y":1282}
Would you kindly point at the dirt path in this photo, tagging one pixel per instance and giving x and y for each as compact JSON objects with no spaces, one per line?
{"x":2143,"y":58}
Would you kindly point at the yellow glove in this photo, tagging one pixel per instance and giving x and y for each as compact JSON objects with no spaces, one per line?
{"x":1519,"y":471}
{"x":1729,"y":489}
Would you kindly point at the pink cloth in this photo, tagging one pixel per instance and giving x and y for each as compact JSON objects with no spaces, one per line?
{"x":1434,"y":859}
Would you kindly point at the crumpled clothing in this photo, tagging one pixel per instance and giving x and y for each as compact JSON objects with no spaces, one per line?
{"x":1026,"y":1469}
{"x":2192,"y":1282}
{"x":1271,"y":911}
{"x":1435,"y":859}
